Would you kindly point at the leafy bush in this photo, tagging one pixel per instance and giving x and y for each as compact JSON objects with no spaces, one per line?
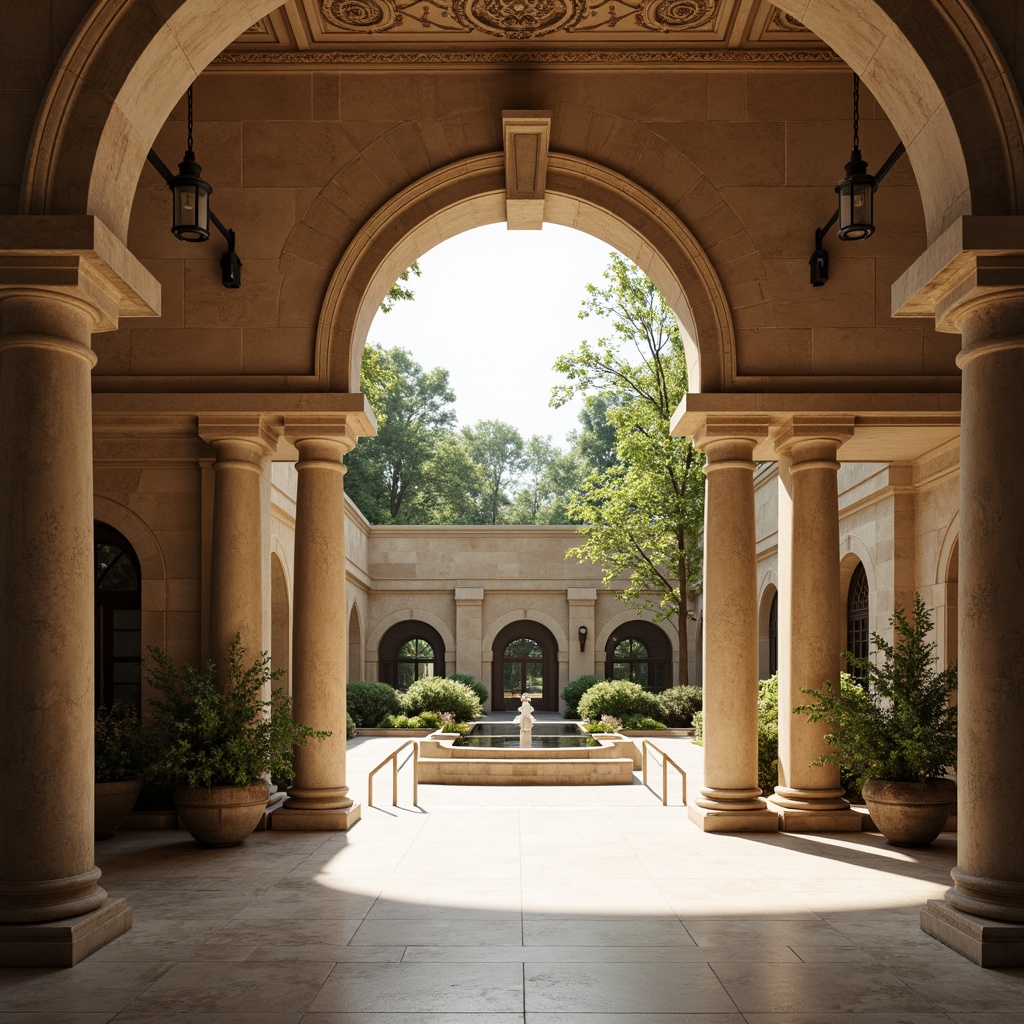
{"x":215,"y":736}
{"x":350,"y":727}
{"x":369,"y":702}
{"x":903,"y":729}
{"x":432,"y":720}
{"x":124,"y":749}
{"x":401,"y":722}
{"x":574,"y":692}
{"x":440,"y":695}
{"x":679,"y":704}
{"x":768,"y":734}
{"x":698,"y":728}
{"x":473,"y":683}
{"x":620,"y":699}
{"x":607,"y":724}
{"x":641,"y":722}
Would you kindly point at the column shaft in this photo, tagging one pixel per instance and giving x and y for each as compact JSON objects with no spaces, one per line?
{"x":808,"y":798}
{"x":729,"y":797}
{"x":319,"y":799}
{"x":47,"y":870}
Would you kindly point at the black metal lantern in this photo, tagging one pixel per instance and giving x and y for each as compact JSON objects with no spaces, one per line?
{"x":191,"y":194}
{"x":581,"y":633}
{"x":857,"y":190}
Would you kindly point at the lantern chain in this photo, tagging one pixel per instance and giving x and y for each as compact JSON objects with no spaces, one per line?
{"x":856,"y":113}
{"x":190,"y":118}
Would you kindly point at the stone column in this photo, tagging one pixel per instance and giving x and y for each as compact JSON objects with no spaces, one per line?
{"x":240,"y":444}
{"x":469,"y":604}
{"x":729,"y":799}
{"x":982,"y":915}
{"x":318,"y":800}
{"x":582,"y":602}
{"x":808,"y":798}
{"x":53,"y":911}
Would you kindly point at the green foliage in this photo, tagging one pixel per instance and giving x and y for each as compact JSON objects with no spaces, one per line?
{"x":618,"y":698}
{"x":498,"y":449}
{"x":351,"y":730}
{"x":398,"y":292}
{"x":368,"y":702}
{"x":607,"y":724}
{"x":643,"y":511}
{"x":403,"y":722}
{"x":473,"y":683}
{"x":902,"y":728}
{"x":574,"y":692}
{"x":768,"y":734}
{"x":230,"y":736}
{"x":442,"y":695}
{"x":679,"y":704}
{"x":641,"y":722}
{"x":698,"y":728}
{"x":124,"y":748}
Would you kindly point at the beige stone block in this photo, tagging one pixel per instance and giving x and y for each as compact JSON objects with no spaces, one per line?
{"x":210,"y":304}
{"x":63,"y":943}
{"x":325,"y":97}
{"x":289,"y":819}
{"x":799,"y":96}
{"x":867,"y":350}
{"x":278,"y":350}
{"x":767,"y":352}
{"x":570,"y":128}
{"x":733,"y":153}
{"x":218,"y":149}
{"x":181,"y":553}
{"x":19,"y":118}
{"x":235,"y":97}
{"x":183,"y":595}
{"x":291,"y":153}
{"x":262,"y":219}
{"x":186,"y":351}
{"x":170,"y":274}
{"x":409,"y":150}
{"x":162,"y":511}
{"x":846,"y":301}
{"x":182,"y":626}
{"x":149,"y":231}
{"x":303,"y":287}
{"x":113,"y":353}
{"x":727,"y":96}
{"x":782,"y":221}
{"x":939,"y":352}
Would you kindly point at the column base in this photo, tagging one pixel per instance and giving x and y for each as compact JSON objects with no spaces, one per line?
{"x":300,"y":819}
{"x":707,"y":820}
{"x":988,"y":943}
{"x":793,"y":819}
{"x":63,"y":943}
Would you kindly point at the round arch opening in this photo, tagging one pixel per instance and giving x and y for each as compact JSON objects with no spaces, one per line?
{"x":525,"y":660}
{"x":408,"y":651}
{"x":639,"y":651}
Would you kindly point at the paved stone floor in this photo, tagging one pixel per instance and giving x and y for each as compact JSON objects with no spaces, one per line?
{"x":586,"y":905}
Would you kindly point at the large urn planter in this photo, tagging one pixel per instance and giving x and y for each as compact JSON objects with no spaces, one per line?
{"x":221,"y":815}
{"x":113,"y":803}
{"x":910,"y":813}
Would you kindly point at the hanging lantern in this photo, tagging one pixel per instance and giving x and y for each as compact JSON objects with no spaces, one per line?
{"x":191,"y":215}
{"x":857,"y":190}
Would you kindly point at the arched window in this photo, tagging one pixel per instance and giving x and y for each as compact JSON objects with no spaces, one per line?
{"x":118,"y":610}
{"x":640,"y":652}
{"x":409,"y":651}
{"x":525,"y":661}
{"x":858,"y":639}
{"x":773,"y":636}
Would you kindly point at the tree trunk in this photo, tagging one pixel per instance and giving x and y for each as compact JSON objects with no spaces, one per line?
{"x":683,"y":621}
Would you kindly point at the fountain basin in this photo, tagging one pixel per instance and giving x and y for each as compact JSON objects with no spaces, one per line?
{"x":611,"y":761}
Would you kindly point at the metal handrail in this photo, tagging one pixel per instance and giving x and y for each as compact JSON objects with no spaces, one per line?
{"x":665,"y":762}
{"x":393,"y":758}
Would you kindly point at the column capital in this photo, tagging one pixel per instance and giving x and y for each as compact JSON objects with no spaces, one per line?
{"x":469,"y":595}
{"x":244,"y":437}
{"x":342,"y":428}
{"x":814,"y":440}
{"x":581,"y":597}
{"x":77,"y":259}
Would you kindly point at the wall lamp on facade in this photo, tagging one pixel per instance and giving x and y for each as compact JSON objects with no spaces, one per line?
{"x":582,"y":634}
{"x":192,"y":215}
{"x":856,"y":192}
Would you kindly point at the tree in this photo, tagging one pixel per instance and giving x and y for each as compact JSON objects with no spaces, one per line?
{"x":388,"y":474}
{"x":643,"y":513}
{"x":398,"y":292}
{"x":499,"y":451}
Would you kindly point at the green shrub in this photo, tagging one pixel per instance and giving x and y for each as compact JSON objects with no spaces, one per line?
{"x":124,"y":749}
{"x":442,"y":695}
{"x":400,"y":722}
{"x":620,"y":699}
{"x":601,"y":726}
{"x":473,"y":683}
{"x":641,"y":722}
{"x":768,"y":734}
{"x":350,"y":727}
{"x":574,"y":692}
{"x":679,"y":704}
{"x":369,"y":702}
{"x":698,"y":728}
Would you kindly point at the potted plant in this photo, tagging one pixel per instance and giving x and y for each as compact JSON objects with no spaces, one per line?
{"x":123,"y":751}
{"x":898,"y":731}
{"x":221,"y":742}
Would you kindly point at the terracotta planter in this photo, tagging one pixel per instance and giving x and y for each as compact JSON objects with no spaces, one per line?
{"x":910,"y":813}
{"x":221,"y":815}
{"x":113,"y":803}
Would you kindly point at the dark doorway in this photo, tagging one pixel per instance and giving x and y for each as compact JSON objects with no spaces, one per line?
{"x":640,"y":652}
{"x":525,"y":661}
{"x":409,"y":651}
{"x":118,"y":605}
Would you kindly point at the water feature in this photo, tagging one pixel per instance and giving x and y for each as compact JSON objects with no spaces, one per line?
{"x":543,"y":735}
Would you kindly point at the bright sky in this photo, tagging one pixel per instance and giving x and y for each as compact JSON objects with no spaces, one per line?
{"x":495,"y":308}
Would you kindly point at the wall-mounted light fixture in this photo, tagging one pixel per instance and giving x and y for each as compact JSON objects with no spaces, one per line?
{"x":856,"y":192}
{"x":582,"y":634}
{"x":191,"y":213}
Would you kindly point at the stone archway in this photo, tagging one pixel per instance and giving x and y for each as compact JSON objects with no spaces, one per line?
{"x":280,"y":623}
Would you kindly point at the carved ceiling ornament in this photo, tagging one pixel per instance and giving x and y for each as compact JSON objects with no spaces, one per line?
{"x":361,"y":15}
{"x":676,"y":15}
{"x":786,"y":22}
{"x":519,"y":19}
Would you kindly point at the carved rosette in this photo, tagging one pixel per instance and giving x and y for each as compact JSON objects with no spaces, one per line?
{"x":786,"y":22}
{"x":676,"y":15}
{"x":361,"y":15}
{"x":518,"y":19}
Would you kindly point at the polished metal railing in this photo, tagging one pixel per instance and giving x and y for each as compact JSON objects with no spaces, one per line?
{"x":665,"y":762}
{"x":393,"y":758}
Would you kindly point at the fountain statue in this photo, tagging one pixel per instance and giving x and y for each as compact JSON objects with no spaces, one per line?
{"x":525,"y":722}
